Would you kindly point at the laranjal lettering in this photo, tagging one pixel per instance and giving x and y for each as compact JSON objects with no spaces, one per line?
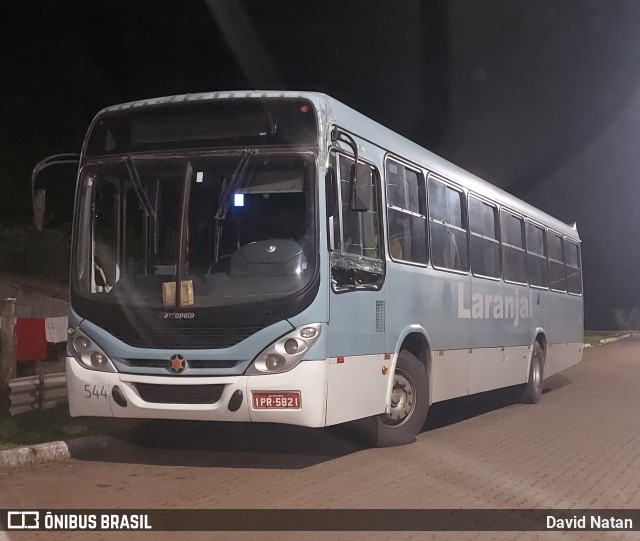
{"x":488,"y":306}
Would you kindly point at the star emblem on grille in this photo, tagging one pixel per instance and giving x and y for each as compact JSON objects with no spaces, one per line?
{"x":177,"y":363}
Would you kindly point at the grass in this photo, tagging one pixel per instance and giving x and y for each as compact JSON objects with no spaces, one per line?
{"x":593,"y":337}
{"x":52,"y":425}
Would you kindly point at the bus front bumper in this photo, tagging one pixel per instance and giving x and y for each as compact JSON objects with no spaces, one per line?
{"x":112,"y":394}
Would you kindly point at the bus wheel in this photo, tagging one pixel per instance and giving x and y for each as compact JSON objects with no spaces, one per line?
{"x":409,"y":404}
{"x":533,"y":388}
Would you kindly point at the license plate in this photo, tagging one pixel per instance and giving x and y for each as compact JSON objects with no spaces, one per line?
{"x":286,"y":400}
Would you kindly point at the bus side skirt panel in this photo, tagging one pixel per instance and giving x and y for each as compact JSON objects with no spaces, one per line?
{"x":356,"y":387}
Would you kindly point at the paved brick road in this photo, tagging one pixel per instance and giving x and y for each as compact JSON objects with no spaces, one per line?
{"x":578,"y":448}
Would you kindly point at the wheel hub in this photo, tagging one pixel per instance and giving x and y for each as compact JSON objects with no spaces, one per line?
{"x":402,"y":400}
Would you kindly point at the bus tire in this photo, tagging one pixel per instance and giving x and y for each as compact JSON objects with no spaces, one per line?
{"x":409,"y":404}
{"x":533,"y":388}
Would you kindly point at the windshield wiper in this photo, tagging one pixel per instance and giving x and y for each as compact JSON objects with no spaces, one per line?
{"x":137,"y":185}
{"x":224,"y":201}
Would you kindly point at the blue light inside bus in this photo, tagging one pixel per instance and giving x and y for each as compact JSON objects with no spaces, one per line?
{"x":238,"y":200}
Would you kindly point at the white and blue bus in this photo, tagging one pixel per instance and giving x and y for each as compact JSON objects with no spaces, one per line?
{"x":279,"y":257}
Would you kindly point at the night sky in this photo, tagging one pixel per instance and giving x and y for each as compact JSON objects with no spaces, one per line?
{"x":539,"y":97}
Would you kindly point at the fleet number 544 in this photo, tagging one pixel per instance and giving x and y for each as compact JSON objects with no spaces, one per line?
{"x":92,"y":391}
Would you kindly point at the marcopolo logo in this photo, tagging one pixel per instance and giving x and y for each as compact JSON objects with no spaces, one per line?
{"x":176,"y":315}
{"x":488,"y":306}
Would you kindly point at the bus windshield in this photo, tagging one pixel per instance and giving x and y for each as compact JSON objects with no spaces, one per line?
{"x":203,"y":231}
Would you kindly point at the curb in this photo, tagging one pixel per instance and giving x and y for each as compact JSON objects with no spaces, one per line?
{"x":614,"y":338}
{"x":604,"y":341}
{"x":41,"y":453}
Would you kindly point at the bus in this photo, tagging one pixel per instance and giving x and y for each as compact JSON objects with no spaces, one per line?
{"x":263,"y":256}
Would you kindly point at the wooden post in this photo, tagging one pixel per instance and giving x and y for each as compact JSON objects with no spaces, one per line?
{"x":8,"y":360}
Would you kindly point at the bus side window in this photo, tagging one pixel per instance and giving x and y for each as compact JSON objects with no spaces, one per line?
{"x":406,"y":211}
{"x":514,"y":257}
{"x":485,"y":246}
{"x":537,"y":256}
{"x":360,"y":231}
{"x":574,"y":273}
{"x":557,"y":272}
{"x":447,"y":227}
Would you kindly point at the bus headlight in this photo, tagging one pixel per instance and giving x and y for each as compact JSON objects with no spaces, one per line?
{"x":81,"y":344}
{"x":89,"y":354}
{"x":308,"y":332}
{"x":291,"y":346}
{"x":274,"y":362}
{"x":98,"y":359}
{"x":286,"y":352}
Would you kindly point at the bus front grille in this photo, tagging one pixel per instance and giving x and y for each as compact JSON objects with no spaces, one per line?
{"x":193,"y":363}
{"x":179,"y":394}
{"x":181,"y":337}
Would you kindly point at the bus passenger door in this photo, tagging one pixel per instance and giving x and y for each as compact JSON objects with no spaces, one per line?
{"x":356,"y":344}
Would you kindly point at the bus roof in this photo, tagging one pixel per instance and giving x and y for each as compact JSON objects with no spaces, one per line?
{"x":350,"y":119}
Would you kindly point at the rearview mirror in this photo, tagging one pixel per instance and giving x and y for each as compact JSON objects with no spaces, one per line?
{"x":330,"y":191}
{"x":58,"y":189}
{"x":360,"y":183}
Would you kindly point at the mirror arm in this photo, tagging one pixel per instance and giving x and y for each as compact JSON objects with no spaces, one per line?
{"x":339,"y":135}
